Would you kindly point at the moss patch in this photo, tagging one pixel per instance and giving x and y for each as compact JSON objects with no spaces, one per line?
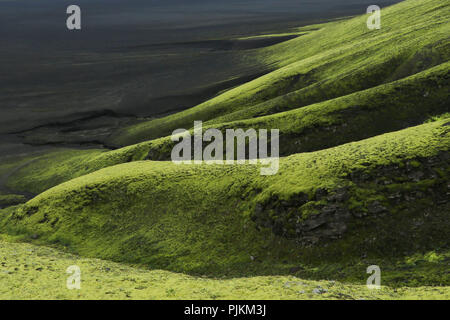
{"x":32,"y":272}
{"x":196,"y":219}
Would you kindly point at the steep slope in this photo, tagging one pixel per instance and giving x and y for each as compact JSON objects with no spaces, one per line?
{"x":420,"y":27}
{"x":338,"y":59}
{"x":388,"y":107}
{"x":392,"y":106}
{"x":205,"y":218}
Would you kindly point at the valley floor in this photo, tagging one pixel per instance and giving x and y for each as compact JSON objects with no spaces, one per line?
{"x":36,"y":272}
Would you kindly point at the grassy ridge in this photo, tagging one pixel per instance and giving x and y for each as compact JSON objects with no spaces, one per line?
{"x":47,"y":170}
{"x":197,"y":219}
{"x":360,"y":115}
{"x":353,"y":117}
{"x":338,"y":59}
{"x":420,"y":28}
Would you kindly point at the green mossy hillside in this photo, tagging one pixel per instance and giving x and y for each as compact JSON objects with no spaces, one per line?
{"x":198,"y":218}
{"x":338,"y":59}
{"x":388,"y":107}
{"x":363,"y":180}
{"x":7,"y":200}
{"x":35,"y":272}
{"x":39,"y":172}
{"x":360,"y":115}
{"x":415,"y":31}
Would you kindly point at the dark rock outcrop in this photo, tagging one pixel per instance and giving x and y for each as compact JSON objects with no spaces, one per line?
{"x":414,"y":184}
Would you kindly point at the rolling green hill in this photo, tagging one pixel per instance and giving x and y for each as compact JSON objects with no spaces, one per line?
{"x":212,"y":218}
{"x":364,"y":179}
{"x":334,"y":60}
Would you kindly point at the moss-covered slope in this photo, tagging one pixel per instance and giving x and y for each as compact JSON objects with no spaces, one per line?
{"x":357,"y":116}
{"x":350,"y":109}
{"x":338,"y":59}
{"x":212,"y":218}
{"x":363,"y":180}
{"x":35,"y":272}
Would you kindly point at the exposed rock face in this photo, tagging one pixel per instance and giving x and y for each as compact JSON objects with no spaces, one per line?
{"x":414,"y":184}
{"x":157,"y":155}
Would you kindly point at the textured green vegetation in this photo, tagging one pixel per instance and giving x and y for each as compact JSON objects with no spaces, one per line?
{"x":337,"y":59}
{"x":42,"y":172}
{"x":414,"y":32}
{"x":7,"y":200}
{"x":354,"y":117}
{"x":28,"y":272}
{"x":351,"y":192}
{"x":196,"y":218}
{"x":357,"y":116}
{"x":37,"y":173}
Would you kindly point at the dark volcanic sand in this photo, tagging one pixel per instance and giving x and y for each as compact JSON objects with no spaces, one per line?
{"x":132,"y":58}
